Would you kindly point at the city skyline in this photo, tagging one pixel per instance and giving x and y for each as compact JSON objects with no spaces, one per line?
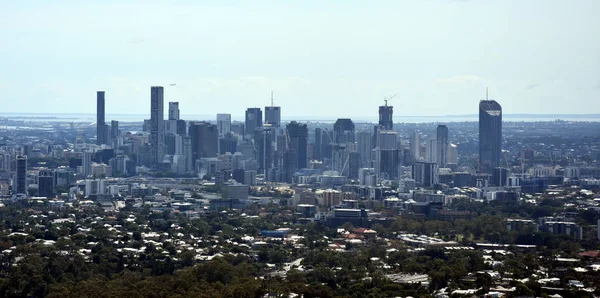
{"x":320,"y":56}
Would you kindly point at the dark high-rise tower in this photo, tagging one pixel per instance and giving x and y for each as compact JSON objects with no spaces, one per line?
{"x":385,"y":116}
{"x":100,"y":123}
{"x":253,"y":120}
{"x":173,"y":110}
{"x":46,"y":183}
{"x":298,"y":142}
{"x":205,"y":139}
{"x":20,"y":184}
{"x":114,"y":133}
{"x":157,"y":126}
{"x":273,"y":114}
{"x":263,"y":146}
{"x":490,"y":134}
{"x":442,"y":145}
{"x":343,"y":131}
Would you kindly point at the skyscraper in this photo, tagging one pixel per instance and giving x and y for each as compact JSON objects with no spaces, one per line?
{"x":46,"y":183}
{"x":442,"y":145}
{"x":365,"y":148}
{"x":263,"y":146}
{"x":100,"y":122}
{"x":298,"y":142}
{"x":86,"y":163}
{"x":431,"y":149}
{"x":415,"y":145}
{"x":318,"y":152}
{"x":20,"y":185}
{"x":157,"y":119}
{"x":425,"y":173}
{"x":205,"y":140}
{"x":173,"y":110}
{"x":343,"y":131}
{"x":253,"y":120}
{"x":223,"y":124}
{"x":387,"y":156}
{"x":490,"y":134}
{"x":386,"y":117}
{"x":273,"y":116}
{"x":114,"y":133}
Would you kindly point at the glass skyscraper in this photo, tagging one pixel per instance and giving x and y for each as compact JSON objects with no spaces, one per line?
{"x":490,"y":135}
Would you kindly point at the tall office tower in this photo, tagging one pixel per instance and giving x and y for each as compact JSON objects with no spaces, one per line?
{"x":114,"y":133}
{"x":425,"y":173}
{"x":386,"y":117}
{"x":387,"y":163}
{"x":298,"y":142}
{"x":273,"y":116}
{"x":387,"y":156}
{"x":46,"y":183}
{"x":318,"y":151}
{"x":20,"y":185}
{"x":157,"y":128}
{"x":223,"y":124}
{"x":173,"y":110}
{"x":253,"y":121}
{"x":442,"y":146}
{"x":365,"y":148}
{"x":187,"y":153}
{"x":205,"y":138}
{"x":452,"y":154}
{"x":100,"y":124}
{"x":415,"y":145}
{"x":263,"y":147}
{"x":490,"y":134}
{"x":228,"y":143}
{"x":431,"y":149}
{"x":343,"y":131}
{"x":387,"y":140}
{"x":500,"y":176}
{"x":5,"y":161}
{"x":353,"y":165}
{"x":86,"y":163}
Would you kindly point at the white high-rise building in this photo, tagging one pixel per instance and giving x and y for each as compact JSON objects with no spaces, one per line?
{"x":452,"y":153}
{"x":86,"y":163}
{"x":415,"y":145}
{"x":364,"y":147}
{"x":95,"y":187}
{"x":223,"y":124}
{"x":431,"y":149}
{"x":157,"y":125}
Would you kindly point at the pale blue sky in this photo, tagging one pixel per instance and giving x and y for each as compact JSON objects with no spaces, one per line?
{"x":321,"y":58}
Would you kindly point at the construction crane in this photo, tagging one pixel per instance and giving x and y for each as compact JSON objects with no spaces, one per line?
{"x":389,"y":98}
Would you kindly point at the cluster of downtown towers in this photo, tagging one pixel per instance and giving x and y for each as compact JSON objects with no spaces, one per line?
{"x":279,"y":152}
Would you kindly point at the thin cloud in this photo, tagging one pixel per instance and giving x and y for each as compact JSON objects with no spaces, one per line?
{"x":531,"y":86}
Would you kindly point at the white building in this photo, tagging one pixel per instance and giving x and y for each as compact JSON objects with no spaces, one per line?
{"x":223,"y":124}
{"x":95,"y":187}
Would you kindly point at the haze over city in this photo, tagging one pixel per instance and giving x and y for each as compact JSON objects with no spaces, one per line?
{"x":538,"y":57}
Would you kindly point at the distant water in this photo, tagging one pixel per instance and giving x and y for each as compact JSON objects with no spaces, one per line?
{"x":50,"y":117}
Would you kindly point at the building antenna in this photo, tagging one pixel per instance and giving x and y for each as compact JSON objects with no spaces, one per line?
{"x":486,"y":93}
{"x":272,"y":98}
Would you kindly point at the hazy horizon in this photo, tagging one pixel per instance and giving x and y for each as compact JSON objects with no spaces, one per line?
{"x":323,"y":59}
